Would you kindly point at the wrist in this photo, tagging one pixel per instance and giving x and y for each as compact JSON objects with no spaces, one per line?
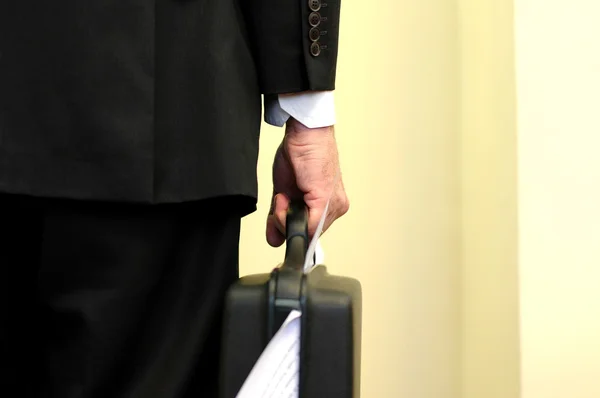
{"x":295,"y":126}
{"x":298,"y":135}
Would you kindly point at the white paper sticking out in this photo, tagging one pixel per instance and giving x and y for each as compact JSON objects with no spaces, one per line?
{"x":277,"y":371}
{"x":310,"y":262}
{"x":276,"y":374}
{"x":317,"y":258}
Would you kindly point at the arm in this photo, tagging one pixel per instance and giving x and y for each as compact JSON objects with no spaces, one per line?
{"x":295,"y":43}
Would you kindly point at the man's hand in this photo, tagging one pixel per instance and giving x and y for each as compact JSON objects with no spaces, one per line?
{"x":306,"y":166}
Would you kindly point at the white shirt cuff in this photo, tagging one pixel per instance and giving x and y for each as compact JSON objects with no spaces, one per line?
{"x":313,"y":109}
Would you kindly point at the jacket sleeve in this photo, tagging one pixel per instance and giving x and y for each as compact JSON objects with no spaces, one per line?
{"x":295,"y":43}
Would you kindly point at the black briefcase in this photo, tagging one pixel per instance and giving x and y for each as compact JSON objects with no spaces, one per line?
{"x":257,"y":305}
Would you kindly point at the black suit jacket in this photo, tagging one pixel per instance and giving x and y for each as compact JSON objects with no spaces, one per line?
{"x":150,"y":101}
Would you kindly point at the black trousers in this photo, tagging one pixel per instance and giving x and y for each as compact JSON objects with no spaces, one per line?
{"x":112,"y":300}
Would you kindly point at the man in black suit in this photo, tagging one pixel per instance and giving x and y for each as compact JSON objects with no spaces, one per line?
{"x":129,"y":135}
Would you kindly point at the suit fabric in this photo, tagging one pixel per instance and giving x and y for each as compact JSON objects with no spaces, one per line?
{"x":150,"y":101}
{"x":129,"y":134}
{"x":113,"y":300}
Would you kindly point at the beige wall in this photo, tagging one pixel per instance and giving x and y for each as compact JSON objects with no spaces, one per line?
{"x":531,"y":198}
{"x":397,"y":99}
{"x":470,"y":139}
{"x":489,"y":201}
{"x":558,"y":75}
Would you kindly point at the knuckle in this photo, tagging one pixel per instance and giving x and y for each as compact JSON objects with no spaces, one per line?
{"x":344,"y":204}
{"x":346,"y":207}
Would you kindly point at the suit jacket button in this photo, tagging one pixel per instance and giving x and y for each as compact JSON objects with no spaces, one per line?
{"x":315,"y":49}
{"x":314,"y":19}
{"x":314,"y":34}
{"x":314,"y":5}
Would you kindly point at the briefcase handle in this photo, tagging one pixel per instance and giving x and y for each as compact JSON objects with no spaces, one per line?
{"x":296,"y":235}
{"x":286,"y":282}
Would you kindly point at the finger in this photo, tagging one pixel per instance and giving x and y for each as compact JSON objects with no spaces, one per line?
{"x":314,"y":217}
{"x":280,"y":210}
{"x":276,"y":220}
{"x":274,"y":237}
{"x":338,"y":206}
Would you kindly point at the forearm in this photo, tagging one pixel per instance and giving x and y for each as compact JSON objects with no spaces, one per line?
{"x":295,"y":43}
